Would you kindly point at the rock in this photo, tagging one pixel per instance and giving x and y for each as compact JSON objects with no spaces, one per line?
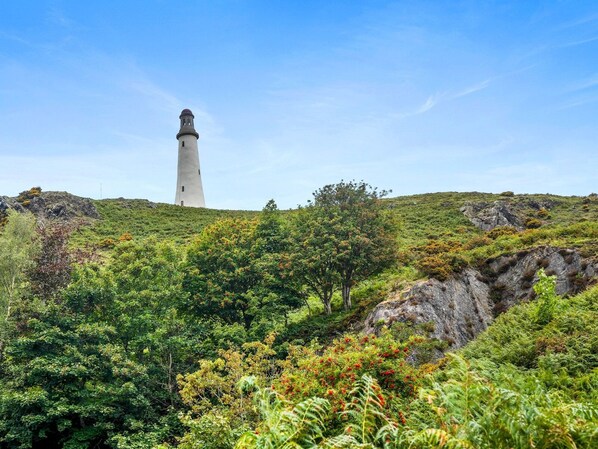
{"x":54,"y":206}
{"x":513,"y":276}
{"x":488,"y":216}
{"x":463,"y":306}
{"x":460,"y":308}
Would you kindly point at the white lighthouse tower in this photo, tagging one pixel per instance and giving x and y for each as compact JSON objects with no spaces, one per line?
{"x":189,"y":191}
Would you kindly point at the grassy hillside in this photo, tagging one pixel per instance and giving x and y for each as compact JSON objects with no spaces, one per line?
{"x":421,"y":217}
{"x":143,"y":219}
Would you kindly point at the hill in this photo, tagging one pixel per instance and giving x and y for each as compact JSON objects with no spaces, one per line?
{"x":147,"y":344}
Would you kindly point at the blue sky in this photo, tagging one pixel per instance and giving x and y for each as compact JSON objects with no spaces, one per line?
{"x":291,"y":95}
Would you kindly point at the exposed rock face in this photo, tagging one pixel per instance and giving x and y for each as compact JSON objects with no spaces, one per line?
{"x":512,"y":277}
{"x":54,"y":205}
{"x":488,"y":216}
{"x":462,"y":307}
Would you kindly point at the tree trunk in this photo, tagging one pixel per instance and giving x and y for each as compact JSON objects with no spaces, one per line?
{"x":328,"y":307}
{"x":346,"y":292}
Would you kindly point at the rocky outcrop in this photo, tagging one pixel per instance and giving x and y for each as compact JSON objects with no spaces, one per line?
{"x":488,"y":216}
{"x":53,"y":205}
{"x":463,"y":306}
{"x":460,"y":308}
{"x":512,"y":277}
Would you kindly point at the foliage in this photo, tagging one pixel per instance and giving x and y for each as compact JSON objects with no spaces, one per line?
{"x":305,"y":424}
{"x":18,"y":248}
{"x":219,"y":412}
{"x":238,"y":271}
{"x":67,"y":383}
{"x":109,"y":358}
{"x":546,"y":298}
{"x":342,"y":237}
{"x":332,"y":371}
{"x":482,"y":405}
{"x":51,"y":271}
{"x":26,"y":196}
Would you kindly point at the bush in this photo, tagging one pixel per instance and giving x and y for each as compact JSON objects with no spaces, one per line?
{"x":28,"y":195}
{"x":499,"y":231}
{"x":125,"y":237}
{"x":507,"y":193}
{"x":532,"y":223}
{"x":435,"y":267}
{"x":331,"y":373}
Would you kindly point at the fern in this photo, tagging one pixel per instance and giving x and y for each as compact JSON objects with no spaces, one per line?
{"x":366,"y":412}
{"x":301,"y":426}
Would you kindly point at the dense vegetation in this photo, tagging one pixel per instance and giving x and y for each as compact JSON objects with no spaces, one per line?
{"x":161,"y":326}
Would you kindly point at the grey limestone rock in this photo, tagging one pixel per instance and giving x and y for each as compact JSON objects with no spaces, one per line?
{"x":463,"y":306}
{"x":488,"y":216}
{"x":460,"y":308}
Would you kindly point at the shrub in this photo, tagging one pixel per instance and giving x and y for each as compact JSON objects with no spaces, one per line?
{"x":507,"y":193}
{"x":331,"y":372}
{"x":533,"y":223}
{"x":28,"y":195}
{"x":107,"y":243}
{"x":547,"y":299}
{"x":499,"y":231}
{"x":125,"y":237}
{"x":435,"y":267}
{"x":543,"y":213}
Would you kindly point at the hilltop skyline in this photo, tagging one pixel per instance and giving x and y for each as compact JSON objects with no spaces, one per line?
{"x":289,"y":97}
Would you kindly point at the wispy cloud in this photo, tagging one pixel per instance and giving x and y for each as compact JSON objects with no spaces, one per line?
{"x":580,"y":21}
{"x":579,"y":42}
{"x":435,"y":99}
{"x":58,"y":17}
{"x":583,"y":85}
{"x":471,"y":89}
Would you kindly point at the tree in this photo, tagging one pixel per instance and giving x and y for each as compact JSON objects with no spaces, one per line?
{"x":342,"y":237}
{"x":18,"y":247}
{"x":67,"y":384}
{"x":221,"y":272}
{"x":238,"y":270}
{"x":51,"y":270}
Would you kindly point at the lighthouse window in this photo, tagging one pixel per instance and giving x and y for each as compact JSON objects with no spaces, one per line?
{"x":182,"y":188}
{"x":183,"y":143}
{"x":198,"y":172}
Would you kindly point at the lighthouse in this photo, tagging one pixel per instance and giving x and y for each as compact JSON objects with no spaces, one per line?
{"x":189,"y":191}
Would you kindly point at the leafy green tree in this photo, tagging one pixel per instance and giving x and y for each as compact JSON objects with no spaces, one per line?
{"x":18,"y":247}
{"x":273,"y":246}
{"x":222,"y":275}
{"x":139,"y":292}
{"x":342,"y":237}
{"x":238,"y":270}
{"x":67,"y":384}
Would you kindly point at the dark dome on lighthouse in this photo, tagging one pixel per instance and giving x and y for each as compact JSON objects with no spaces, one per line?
{"x":186,"y":112}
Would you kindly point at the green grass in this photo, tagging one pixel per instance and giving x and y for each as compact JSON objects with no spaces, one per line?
{"x":571,"y":222}
{"x":143,"y":219}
